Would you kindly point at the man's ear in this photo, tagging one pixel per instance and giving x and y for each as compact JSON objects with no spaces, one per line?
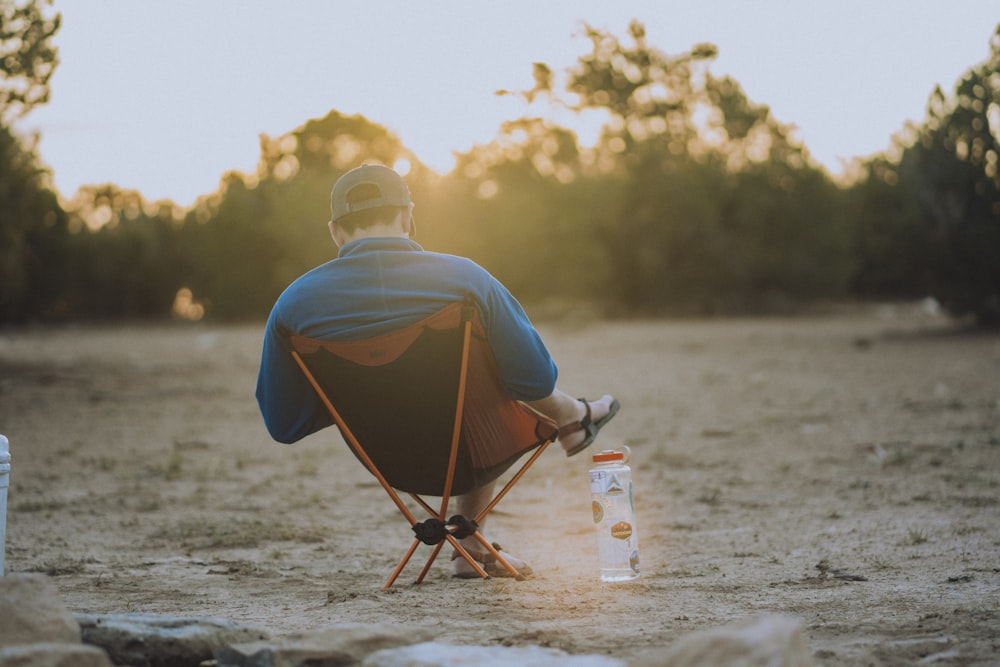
{"x":337,"y":233}
{"x":409,"y":226}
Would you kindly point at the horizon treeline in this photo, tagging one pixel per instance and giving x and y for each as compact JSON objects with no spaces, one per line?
{"x":695,"y":200}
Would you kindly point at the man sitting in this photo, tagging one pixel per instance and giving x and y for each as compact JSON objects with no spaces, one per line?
{"x":382,"y":281}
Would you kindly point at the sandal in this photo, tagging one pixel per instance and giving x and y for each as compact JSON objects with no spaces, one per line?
{"x":591,"y":427}
{"x":490,"y":564}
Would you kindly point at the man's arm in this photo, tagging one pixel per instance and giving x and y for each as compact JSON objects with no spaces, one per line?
{"x":526,"y":368}
{"x":288,"y":403}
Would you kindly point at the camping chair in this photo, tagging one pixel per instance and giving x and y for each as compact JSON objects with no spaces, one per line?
{"x":424,"y":410}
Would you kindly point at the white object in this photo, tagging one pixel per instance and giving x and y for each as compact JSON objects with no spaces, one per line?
{"x":4,"y":483}
{"x":448,"y":655}
{"x":614,"y":515}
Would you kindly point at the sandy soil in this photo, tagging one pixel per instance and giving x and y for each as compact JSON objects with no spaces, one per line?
{"x":842,"y":468}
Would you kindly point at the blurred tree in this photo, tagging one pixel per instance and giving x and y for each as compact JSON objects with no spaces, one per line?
{"x":32,"y":224}
{"x":891,"y":240}
{"x":234,"y":250}
{"x":33,"y":235}
{"x":261,"y":231}
{"x":27,"y":57}
{"x":694,"y":198}
{"x":720,"y":210}
{"x":522,"y":207}
{"x":127,"y":259}
{"x":953,"y":169}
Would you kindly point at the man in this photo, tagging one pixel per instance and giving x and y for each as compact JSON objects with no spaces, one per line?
{"x":381,"y":281}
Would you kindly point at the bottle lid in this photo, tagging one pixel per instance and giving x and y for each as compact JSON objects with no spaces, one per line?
{"x":609,"y":455}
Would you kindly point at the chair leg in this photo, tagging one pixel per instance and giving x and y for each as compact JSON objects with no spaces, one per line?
{"x":430,"y":561}
{"x":458,"y":547}
{"x":402,"y":564}
{"x":513,"y":480}
{"x":461,"y":552}
{"x":500,"y":559}
{"x":434,"y":554}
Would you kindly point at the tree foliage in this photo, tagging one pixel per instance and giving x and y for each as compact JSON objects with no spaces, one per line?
{"x":929,"y":221}
{"x":33,"y":239}
{"x":27,"y":56}
{"x":721,"y":210}
{"x":260,"y":231}
{"x":32,"y":224}
{"x":953,"y":169}
{"x":890,"y":241}
{"x":128,"y":255}
{"x":694,"y":199}
{"x":523,"y":208}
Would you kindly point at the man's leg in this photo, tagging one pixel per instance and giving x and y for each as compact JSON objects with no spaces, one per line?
{"x":469,"y":505}
{"x":563,"y":409}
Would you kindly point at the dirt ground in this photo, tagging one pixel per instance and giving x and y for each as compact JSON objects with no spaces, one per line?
{"x":842,"y":468}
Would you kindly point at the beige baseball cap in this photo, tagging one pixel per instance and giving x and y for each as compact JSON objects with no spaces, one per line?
{"x":392,"y":191}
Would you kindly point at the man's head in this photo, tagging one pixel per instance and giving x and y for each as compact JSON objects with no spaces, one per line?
{"x":370,"y":200}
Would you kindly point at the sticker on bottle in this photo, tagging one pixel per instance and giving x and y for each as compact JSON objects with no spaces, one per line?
{"x":614,"y":487}
{"x":621,"y":530}
{"x":598,"y":481}
{"x":598,"y":512}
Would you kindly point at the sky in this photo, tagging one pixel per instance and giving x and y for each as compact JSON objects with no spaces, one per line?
{"x":165,"y":96}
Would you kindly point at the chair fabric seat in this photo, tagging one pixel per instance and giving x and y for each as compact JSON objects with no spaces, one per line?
{"x":398,"y":394}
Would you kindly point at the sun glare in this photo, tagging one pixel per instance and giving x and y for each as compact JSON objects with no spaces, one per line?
{"x":402,"y":166}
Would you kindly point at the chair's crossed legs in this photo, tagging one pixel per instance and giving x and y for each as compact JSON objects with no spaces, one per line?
{"x":437,"y":530}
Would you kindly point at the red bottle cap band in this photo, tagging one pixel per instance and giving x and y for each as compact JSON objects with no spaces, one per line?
{"x":608,"y":455}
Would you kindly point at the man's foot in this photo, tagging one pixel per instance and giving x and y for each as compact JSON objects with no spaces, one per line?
{"x":489,"y":563}
{"x":579,"y":434}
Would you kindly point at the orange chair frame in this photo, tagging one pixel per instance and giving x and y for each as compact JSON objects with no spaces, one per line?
{"x":440,"y":513}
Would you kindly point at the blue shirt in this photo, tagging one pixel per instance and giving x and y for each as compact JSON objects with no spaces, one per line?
{"x":379,"y":285}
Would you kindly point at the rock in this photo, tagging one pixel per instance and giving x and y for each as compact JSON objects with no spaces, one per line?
{"x":53,"y":655}
{"x":31,"y":612}
{"x":342,"y":644}
{"x":446,"y":655}
{"x":771,"y":641}
{"x":36,"y":629}
{"x":149,"y":640}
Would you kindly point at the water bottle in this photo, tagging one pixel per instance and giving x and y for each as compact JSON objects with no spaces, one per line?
{"x":4,"y":483}
{"x":614,"y":515}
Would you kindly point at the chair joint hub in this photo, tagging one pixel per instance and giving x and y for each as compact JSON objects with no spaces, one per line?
{"x":434,"y":531}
